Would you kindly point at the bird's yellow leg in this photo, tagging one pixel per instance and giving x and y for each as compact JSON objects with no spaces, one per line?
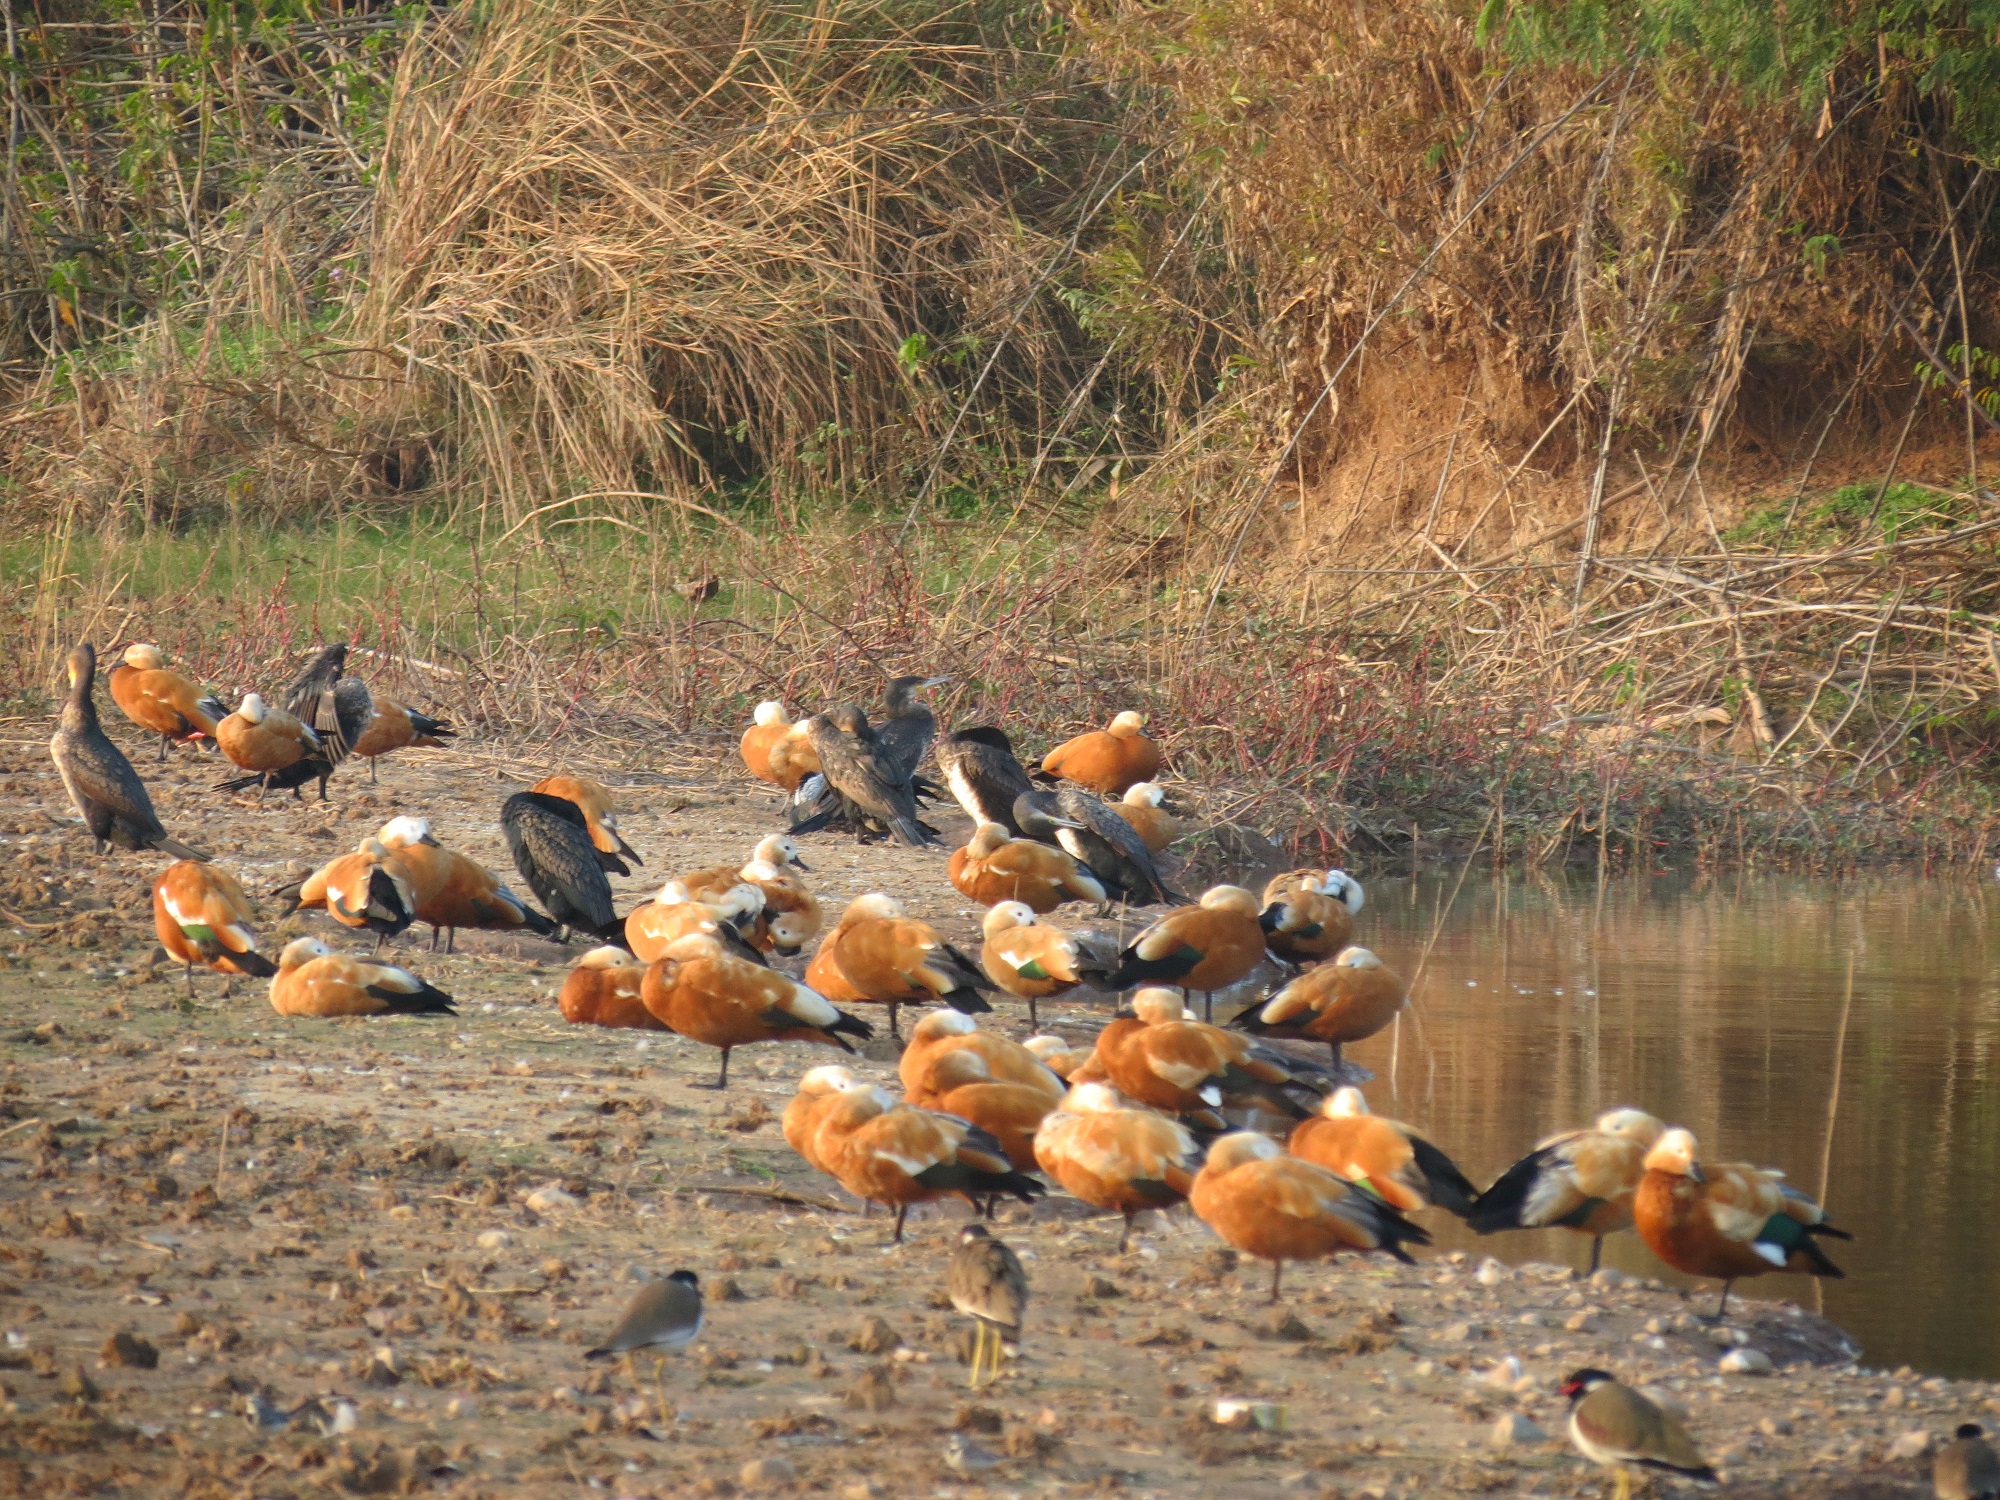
{"x":1624,"y":1483}
{"x":978,"y":1351}
{"x":660,"y":1390}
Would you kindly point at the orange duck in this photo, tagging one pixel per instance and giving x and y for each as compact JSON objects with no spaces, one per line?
{"x":1033,"y":961}
{"x":1279,"y":1208}
{"x":792,"y":757}
{"x":1727,"y":1221}
{"x":653,"y":926}
{"x":157,"y":698}
{"x":1207,"y":947}
{"x":1144,"y":807}
{"x":1058,"y":1056}
{"x":959,"y":1083}
{"x":896,"y":961}
{"x":817,"y":1090}
{"x":259,"y":739}
{"x":898,"y":1155}
{"x":203,"y":917}
{"x":603,"y":990}
{"x":600,"y":818}
{"x":1106,"y":760}
{"x":712,"y":997}
{"x":1581,"y":1180}
{"x":993,"y":868}
{"x":942,"y":1032}
{"x":1114,"y":1155}
{"x":397,"y":726}
{"x":790,"y":914}
{"x":1345,"y":1001}
{"x":769,"y":726}
{"x":1389,"y":1159}
{"x":1152,"y":1055}
{"x":1309,"y":914}
{"x":450,"y":890}
{"x":369,"y":890}
{"x":312,"y":980}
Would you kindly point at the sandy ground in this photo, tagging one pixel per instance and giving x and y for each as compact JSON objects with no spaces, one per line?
{"x":409,"y":1230}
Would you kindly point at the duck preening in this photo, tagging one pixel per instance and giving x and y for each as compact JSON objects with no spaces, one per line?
{"x":1581,"y":1180}
{"x":1144,"y":806}
{"x":1115,"y":1155}
{"x":1384,"y":1156}
{"x":767,"y":726}
{"x":1727,"y":1220}
{"x":106,"y":792}
{"x":1279,"y":1208}
{"x":203,"y":917}
{"x":1345,"y":1001}
{"x":550,"y":841}
{"x":877,"y":954}
{"x":729,"y":916}
{"x":1155,"y":1056}
{"x":1309,"y":914}
{"x":993,"y":868}
{"x":1107,"y":760}
{"x":313,"y":980}
{"x":155,"y":697}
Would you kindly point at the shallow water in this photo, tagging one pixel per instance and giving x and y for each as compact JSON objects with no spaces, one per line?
{"x":1717,"y":1004}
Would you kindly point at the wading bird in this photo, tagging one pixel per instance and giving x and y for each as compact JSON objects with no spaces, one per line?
{"x":101,"y":783}
{"x":337,"y":707}
{"x":864,"y":778}
{"x":986,"y":1284}
{"x":907,"y":727}
{"x":1613,"y":1425}
{"x":665,"y":1315}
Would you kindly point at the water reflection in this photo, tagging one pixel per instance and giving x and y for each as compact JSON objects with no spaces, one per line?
{"x":1717,"y":1004}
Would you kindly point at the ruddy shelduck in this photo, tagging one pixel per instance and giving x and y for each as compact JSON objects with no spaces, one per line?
{"x":767,"y":727}
{"x":986,"y":1283}
{"x":790,"y":915}
{"x":800,"y":1121}
{"x":653,"y":926}
{"x":710,"y":996}
{"x":1206,"y":947}
{"x":599,"y":807}
{"x":1345,"y":1001}
{"x":313,"y":980}
{"x":1155,"y":1056}
{"x":155,"y":697}
{"x":603,"y":990}
{"x":1309,"y":914}
{"x":203,"y":917}
{"x":1034,"y":961}
{"x":1615,"y":1426}
{"x":259,"y":738}
{"x":942,"y":1032}
{"x":453,"y":890}
{"x":792,"y":758}
{"x":960,"y":1083}
{"x":1057,"y":1055}
{"x":1109,"y":760}
{"x":897,"y":961}
{"x":397,"y":726}
{"x":370,"y":890}
{"x":897,"y":1155}
{"x":1728,"y":1220}
{"x":993,"y":868}
{"x":106,"y":792}
{"x":1278,"y":1208}
{"x":1581,"y":1180}
{"x":1115,"y":1155}
{"x":1384,"y":1156}
{"x":1144,"y":807}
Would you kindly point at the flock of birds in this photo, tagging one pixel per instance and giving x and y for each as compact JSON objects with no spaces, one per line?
{"x":1272,"y":1149}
